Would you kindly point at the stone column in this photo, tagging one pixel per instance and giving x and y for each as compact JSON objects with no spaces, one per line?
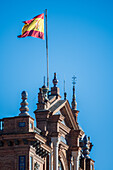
{"x":55,"y":141}
{"x":50,"y":158}
{"x":76,"y":155}
{"x":71,"y":163}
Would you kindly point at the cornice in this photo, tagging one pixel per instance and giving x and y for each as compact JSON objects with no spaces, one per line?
{"x":47,"y":148}
{"x":62,"y":145}
{"x":74,"y":123}
{"x":29,"y":136}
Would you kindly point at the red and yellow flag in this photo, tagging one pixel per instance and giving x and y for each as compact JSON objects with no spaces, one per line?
{"x":34,"y":27}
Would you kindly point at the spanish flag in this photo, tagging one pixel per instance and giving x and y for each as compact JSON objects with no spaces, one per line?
{"x":34,"y":27}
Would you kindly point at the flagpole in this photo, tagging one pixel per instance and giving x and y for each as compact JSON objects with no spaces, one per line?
{"x":47,"y":49}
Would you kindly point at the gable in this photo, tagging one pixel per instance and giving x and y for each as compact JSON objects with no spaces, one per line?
{"x":63,"y":107}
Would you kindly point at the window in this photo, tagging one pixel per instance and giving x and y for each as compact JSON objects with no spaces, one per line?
{"x":31,"y":163}
{"x":1,"y":125}
{"x":22,"y":124}
{"x":31,"y":125}
{"x":22,"y":162}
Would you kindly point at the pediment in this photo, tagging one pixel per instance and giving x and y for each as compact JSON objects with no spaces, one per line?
{"x":62,"y":107}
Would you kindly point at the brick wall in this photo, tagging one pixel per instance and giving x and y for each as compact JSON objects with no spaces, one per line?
{"x":18,"y":124}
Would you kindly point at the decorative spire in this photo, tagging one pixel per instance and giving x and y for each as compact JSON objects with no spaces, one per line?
{"x":54,"y":89}
{"x":40,"y":96}
{"x":65,"y":94}
{"x":44,"y":86}
{"x":74,"y":103}
{"x":45,"y":91}
{"x":24,"y":105}
{"x":55,"y":81}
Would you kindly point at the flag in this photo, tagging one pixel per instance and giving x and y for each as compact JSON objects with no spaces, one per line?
{"x":34,"y":27}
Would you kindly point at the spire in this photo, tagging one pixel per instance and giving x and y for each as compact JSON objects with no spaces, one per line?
{"x":45,"y":91}
{"x":55,"y":81}
{"x":74,"y":103}
{"x":65,"y":94}
{"x":24,"y":105}
{"x":55,"y":89}
{"x":40,"y":96}
{"x":43,"y":101}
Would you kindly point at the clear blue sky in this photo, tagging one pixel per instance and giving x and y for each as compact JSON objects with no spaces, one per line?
{"x":81,"y":43}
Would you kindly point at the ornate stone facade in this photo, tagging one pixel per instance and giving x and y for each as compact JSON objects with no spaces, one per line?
{"x":56,"y":143}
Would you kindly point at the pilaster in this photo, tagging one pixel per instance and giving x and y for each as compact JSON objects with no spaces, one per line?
{"x":55,"y":141}
{"x":76,"y":156}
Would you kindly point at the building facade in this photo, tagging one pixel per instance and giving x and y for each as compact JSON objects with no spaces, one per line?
{"x":56,"y":143}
